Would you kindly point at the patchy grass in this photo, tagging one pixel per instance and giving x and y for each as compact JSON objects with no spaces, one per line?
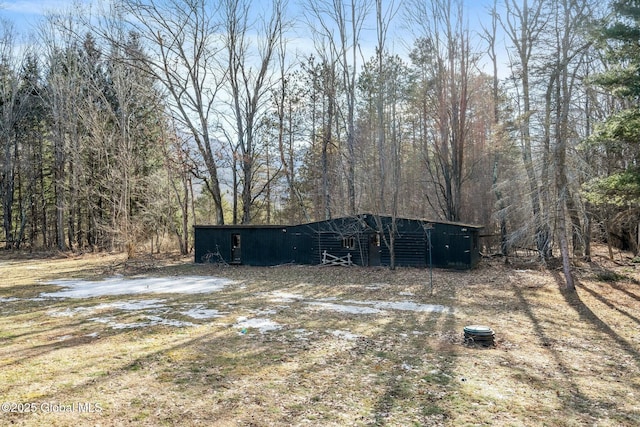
{"x":298,"y":345}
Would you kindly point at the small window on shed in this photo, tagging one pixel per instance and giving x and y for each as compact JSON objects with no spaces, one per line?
{"x":349,"y":242}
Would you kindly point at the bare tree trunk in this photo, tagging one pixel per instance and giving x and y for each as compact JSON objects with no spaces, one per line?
{"x":587,"y":233}
{"x":560,"y":154}
{"x":248,"y":85}
{"x":178,"y":172}
{"x":59,"y":176}
{"x":564,"y":244}
{"x":567,"y":19}
{"x":523,"y":25}
{"x":10,"y":106}
{"x":395,"y":162}
{"x":445,"y":53}
{"x":267,"y":192}
{"x":181,"y":37}
{"x":286,"y":139}
{"x":358,"y":13}
{"x":380,"y":101}
{"x":577,"y":237}
{"x":326,"y":142}
{"x":490,"y":35}
{"x":336,"y":27}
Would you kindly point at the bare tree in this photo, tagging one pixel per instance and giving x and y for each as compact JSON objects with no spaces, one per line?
{"x":324,"y":80}
{"x":524,"y":24}
{"x":389,"y":76}
{"x":179,"y":170}
{"x":11,"y":110}
{"x":337,"y":27}
{"x":184,"y":44}
{"x":287,"y":100}
{"x":447,"y":61}
{"x":62,"y":97}
{"x":135,"y":113}
{"x":395,"y":84}
{"x":570,"y":51}
{"x":349,"y":36}
{"x":249,"y":85}
{"x":490,"y":35}
{"x":382,"y":28}
{"x":320,"y":98}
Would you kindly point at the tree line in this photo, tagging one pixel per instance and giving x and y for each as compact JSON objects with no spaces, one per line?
{"x":132,"y":123}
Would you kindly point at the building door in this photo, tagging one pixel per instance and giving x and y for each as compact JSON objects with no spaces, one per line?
{"x":374,"y":249}
{"x":236,"y":249}
{"x":459,"y":250}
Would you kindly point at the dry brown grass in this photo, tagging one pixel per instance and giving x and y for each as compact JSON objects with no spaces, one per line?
{"x":560,"y":359}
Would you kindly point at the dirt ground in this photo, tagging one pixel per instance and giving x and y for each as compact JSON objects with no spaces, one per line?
{"x":311,"y":345}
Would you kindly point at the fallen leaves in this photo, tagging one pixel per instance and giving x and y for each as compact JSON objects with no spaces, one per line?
{"x":278,"y":347}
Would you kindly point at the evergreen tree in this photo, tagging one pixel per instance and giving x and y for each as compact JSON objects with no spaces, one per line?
{"x":617,"y":138}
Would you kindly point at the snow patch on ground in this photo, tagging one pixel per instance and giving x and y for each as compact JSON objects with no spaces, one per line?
{"x":153,"y":311}
{"x":278,"y":296}
{"x":302,"y":334}
{"x":119,"y":305}
{"x":129,"y":286}
{"x":132,"y":305}
{"x":149,"y":308}
{"x":152,"y":321}
{"x":351,"y":309}
{"x":345,"y":335}
{"x":404,"y":306}
{"x":260,"y":323}
{"x":376,"y":286}
{"x":69,"y":312}
{"x":201,"y":312}
{"x":264,"y":312}
{"x":412,"y":306}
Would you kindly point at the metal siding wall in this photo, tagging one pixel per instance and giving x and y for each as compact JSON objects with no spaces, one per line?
{"x":303,"y":243}
{"x":439,"y":245}
{"x":459,"y":239}
{"x":328,"y":235}
{"x":411,"y":249}
{"x":264,"y":247}
{"x":259,"y":246}
{"x":210,"y":240}
{"x":332,"y":243}
{"x":460,"y":255}
{"x":452,"y":244}
{"x":475,"y":248}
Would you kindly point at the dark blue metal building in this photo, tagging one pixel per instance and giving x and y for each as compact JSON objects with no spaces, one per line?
{"x":364,"y":239}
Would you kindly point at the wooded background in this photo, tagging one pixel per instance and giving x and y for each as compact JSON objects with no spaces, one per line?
{"x":129,"y":124}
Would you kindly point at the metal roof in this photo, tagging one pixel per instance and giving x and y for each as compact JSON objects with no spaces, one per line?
{"x":358,"y":216}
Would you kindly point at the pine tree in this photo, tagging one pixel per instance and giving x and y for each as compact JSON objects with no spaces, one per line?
{"x":618,"y":187}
